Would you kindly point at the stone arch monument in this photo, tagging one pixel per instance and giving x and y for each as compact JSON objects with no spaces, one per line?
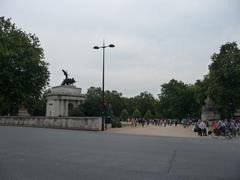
{"x":61,"y":98}
{"x":209,"y":111}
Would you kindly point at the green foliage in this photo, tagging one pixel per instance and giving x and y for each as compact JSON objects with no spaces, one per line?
{"x":116,"y":105}
{"x":116,"y":122}
{"x":94,"y":91}
{"x":158,"y":110}
{"x":114,"y":101}
{"x":201,"y":90}
{"x":142,"y":102}
{"x":130,"y":104}
{"x":145,"y":101}
{"x":224,"y":78}
{"x":124,"y":115}
{"x":93,"y":103}
{"x":38,"y":108}
{"x":78,"y":112}
{"x":137,"y":114}
{"x":148,"y":115}
{"x":23,"y":73}
{"x":177,"y":100}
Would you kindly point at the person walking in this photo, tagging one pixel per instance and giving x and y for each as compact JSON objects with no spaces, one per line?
{"x":198,"y":127}
{"x":132,"y":122}
{"x":233,"y":128}
{"x":203,"y":128}
{"x":143,"y":122}
{"x":176,"y":122}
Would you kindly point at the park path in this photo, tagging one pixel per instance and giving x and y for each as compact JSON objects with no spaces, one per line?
{"x":169,"y":131}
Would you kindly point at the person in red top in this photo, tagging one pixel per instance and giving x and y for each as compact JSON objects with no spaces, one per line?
{"x":214,"y":125}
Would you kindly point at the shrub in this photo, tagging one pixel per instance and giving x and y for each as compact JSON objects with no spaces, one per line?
{"x":116,"y":122}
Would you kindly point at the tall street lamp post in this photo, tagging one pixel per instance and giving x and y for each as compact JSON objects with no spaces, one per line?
{"x":103,"y":76}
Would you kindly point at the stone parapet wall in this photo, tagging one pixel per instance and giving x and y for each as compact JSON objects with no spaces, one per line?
{"x":81,"y":123}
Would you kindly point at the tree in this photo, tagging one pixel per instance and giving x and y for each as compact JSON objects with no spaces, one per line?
{"x":94,"y":91}
{"x":23,"y":73}
{"x":142,"y":102}
{"x":124,"y":115}
{"x":224,"y":78}
{"x":145,"y":101}
{"x":137,"y":114}
{"x":148,"y":115}
{"x":177,"y":100}
{"x":202,"y":90}
{"x":93,"y":103}
{"x":39,"y":107}
{"x":76,"y":111}
{"x":130,"y":104}
{"x":158,"y":109}
{"x":114,"y":102}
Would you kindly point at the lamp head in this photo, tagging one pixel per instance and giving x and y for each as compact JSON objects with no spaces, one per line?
{"x":111,"y":46}
{"x":95,"y":47}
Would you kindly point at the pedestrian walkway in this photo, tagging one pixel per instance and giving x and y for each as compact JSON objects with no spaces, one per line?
{"x":170,"y":131}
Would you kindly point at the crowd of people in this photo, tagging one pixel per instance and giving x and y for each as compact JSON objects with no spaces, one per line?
{"x":227,"y":127}
{"x":155,"y":122}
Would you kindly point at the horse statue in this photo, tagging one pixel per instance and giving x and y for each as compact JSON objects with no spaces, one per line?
{"x":67,"y":81}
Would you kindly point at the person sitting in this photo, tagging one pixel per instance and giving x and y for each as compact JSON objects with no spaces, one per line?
{"x":198,"y":127}
{"x":221,"y":127}
{"x":214,"y":125}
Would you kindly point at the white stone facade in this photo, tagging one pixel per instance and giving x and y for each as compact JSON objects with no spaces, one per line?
{"x":61,"y":98}
{"x":209,"y":111}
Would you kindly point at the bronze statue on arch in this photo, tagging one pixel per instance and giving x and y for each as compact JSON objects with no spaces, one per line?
{"x":67,"y":80}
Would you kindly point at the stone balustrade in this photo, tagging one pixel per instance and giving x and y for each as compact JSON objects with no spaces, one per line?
{"x":81,"y":123}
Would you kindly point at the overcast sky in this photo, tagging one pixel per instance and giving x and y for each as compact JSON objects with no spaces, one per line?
{"x":156,"y":40}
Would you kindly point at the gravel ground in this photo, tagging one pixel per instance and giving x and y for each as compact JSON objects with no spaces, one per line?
{"x":170,"y":131}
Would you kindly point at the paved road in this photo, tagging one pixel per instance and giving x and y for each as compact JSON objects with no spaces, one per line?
{"x":51,"y":154}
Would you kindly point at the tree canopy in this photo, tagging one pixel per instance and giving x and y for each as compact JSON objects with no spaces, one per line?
{"x":148,"y":115}
{"x":124,"y":115}
{"x":136,"y":114}
{"x":24,"y":74}
{"x":178,"y":100}
{"x":93,"y":102}
{"x":224,"y":79}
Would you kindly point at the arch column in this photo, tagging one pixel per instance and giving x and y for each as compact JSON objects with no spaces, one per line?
{"x":59,"y":107}
{"x":66,"y":109}
{"x":62,"y":107}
